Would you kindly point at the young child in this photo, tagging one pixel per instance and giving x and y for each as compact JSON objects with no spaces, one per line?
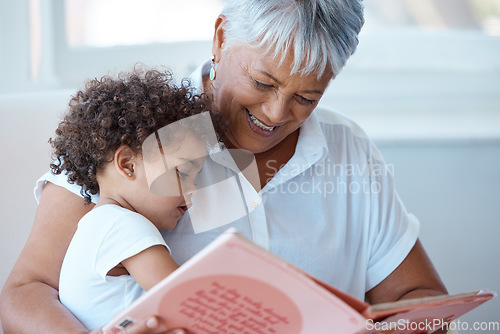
{"x":117,"y":251}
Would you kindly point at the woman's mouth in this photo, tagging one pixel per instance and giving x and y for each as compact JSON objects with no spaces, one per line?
{"x":258,"y":126}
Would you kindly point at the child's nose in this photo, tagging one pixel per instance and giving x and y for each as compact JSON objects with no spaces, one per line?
{"x":190,"y":190}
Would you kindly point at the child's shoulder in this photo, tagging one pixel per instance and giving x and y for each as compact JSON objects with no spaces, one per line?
{"x":108,"y":215}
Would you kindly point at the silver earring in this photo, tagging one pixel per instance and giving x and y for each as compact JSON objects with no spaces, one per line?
{"x":129,"y":174}
{"x":212,"y":68}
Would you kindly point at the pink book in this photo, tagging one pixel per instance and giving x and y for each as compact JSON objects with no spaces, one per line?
{"x":235,"y":286}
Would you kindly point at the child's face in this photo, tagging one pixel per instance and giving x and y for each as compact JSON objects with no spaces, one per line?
{"x":163,"y":194}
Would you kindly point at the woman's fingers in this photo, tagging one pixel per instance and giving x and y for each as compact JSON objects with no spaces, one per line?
{"x":147,"y":326}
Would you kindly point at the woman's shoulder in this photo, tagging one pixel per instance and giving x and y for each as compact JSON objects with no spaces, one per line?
{"x":60,"y":180}
{"x":330,"y":119}
{"x":341,"y":132}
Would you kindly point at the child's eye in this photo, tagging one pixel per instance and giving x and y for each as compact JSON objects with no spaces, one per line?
{"x":180,"y":174}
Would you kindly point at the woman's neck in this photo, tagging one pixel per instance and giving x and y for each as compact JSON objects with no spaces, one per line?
{"x":271,"y":161}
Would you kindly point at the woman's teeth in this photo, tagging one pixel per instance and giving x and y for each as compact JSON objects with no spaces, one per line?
{"x":259,"y":123}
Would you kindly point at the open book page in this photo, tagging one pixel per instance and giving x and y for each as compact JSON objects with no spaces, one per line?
{"x":385,"y":309}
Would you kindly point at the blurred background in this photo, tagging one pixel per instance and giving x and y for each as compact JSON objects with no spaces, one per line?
{"x":424,"y":84}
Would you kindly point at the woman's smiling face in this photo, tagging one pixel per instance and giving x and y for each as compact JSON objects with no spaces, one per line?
{"x":263,"y":102}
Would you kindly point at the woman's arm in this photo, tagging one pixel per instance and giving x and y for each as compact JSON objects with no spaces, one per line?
{"x":414,"y":277}
{"x":29,"y":301}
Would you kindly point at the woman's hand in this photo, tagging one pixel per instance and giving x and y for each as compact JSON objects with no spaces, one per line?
{"x":147,"y":326}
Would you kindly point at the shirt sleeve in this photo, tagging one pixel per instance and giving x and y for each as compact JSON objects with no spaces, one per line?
{"x":129,"y":235}
{"x":394,"y":230}
{"x":60,"y":180}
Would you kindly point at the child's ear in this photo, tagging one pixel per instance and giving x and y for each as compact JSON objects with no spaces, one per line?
{"x":124,"y":161}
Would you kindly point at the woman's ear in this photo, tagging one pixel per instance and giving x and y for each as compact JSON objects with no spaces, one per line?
{"x":124,"y":161}
{"x":219,"y":37}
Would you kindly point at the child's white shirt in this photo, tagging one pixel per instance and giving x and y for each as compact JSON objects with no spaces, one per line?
{"x":105,"y":236}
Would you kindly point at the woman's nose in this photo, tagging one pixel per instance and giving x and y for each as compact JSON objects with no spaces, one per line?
{"x":277,"y":110}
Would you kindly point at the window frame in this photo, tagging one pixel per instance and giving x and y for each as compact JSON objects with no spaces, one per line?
{"x":73,"y":64}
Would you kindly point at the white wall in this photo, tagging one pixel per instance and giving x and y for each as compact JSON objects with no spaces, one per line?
{"x":27,"y":121}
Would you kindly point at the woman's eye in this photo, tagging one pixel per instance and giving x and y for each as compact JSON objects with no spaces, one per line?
{"x":261,"y":85}
{"x":305,"y":101}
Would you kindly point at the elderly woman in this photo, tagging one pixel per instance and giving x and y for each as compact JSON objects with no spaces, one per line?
{"x":322,"y":204}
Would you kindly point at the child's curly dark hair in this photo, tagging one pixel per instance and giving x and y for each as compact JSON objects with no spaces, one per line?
{"x":111,"y":112}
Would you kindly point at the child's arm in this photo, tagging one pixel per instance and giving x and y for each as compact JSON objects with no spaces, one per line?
{"x":150,"y":266}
